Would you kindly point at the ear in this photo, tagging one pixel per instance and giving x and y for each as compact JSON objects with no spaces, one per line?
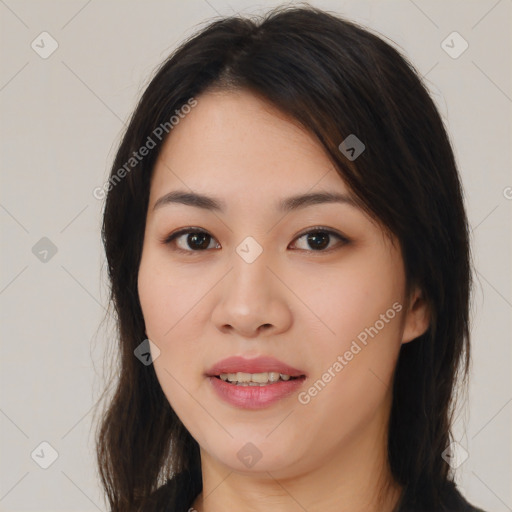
{"x":417,"y":317}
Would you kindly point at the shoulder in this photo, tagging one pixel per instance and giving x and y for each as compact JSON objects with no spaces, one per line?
{"x":164,"y":499}
{"x":457,"y":502}
{"x":176,"y":495}
{"x":452,"y":501}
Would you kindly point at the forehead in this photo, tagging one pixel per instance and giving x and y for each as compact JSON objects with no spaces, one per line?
{"x":236,"y":143}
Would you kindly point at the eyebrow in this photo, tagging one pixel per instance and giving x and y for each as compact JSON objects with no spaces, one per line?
{"x":285,"y":205}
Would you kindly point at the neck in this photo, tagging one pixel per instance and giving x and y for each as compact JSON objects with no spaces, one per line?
{"x":355,"y":477}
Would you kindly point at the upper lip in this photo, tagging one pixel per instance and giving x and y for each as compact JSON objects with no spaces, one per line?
{"x":256,"y":365}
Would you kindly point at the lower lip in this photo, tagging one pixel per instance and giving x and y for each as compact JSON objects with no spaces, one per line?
{"x":255,"y":397}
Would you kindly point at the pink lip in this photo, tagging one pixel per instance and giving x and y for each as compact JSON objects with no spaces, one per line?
{"x":254,"y":397}
{"x":257,"y":365}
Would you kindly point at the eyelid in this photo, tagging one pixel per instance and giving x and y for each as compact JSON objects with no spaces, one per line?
{"x":322,"y":229}
{"x":183,"y":231}
{"x":191,"y":229}
{"x":166,"y":240}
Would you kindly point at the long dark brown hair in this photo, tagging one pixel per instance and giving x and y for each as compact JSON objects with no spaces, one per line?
{"x":336,"y":78}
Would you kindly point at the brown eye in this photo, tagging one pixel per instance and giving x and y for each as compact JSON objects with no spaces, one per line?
{"x":198,"y":240}
{"x":320,"y":239}
{"x":190,"y":240}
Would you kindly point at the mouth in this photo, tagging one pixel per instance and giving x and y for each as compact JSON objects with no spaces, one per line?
{"x":256,"y":379}
{"x":260,"y":370}
{"x":254,"y":383}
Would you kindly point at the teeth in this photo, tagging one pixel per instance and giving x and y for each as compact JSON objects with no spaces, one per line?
{"x":241,"y":377}
{"x":253,"y":379}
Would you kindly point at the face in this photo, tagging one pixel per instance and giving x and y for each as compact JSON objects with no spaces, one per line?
{"x":312,"y":283}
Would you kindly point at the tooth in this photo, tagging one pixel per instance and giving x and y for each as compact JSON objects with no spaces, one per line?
{"x":243,"y":377}
{"x":260,"y":377}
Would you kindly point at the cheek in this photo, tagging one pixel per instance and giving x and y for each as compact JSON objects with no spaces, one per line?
{"x":350,"y":298}
{"x":174,"y":308}
{"x":167,"y":296}
{"x":167,"y":307}
{"x":154,"y":300}
{"x":354,"y":353}
{"x":352,"y":378}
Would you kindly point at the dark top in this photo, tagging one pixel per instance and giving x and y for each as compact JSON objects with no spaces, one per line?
{"x":178,"y":494}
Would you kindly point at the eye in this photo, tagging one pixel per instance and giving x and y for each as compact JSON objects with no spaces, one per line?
{"x":318,"y":239}
{"x":191,"y":240}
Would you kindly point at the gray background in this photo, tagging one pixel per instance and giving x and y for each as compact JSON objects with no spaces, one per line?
{"x":61,"y":119}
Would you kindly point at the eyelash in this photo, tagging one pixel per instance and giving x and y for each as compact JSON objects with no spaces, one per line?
{"x":317,"y":229}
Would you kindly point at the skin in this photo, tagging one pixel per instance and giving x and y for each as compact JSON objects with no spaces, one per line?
{"x":300,"y":305}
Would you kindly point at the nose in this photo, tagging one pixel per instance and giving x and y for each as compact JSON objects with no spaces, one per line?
{"x":251,"y":301}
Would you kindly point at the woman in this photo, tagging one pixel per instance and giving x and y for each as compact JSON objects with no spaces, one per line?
{"x":288,"y":253}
